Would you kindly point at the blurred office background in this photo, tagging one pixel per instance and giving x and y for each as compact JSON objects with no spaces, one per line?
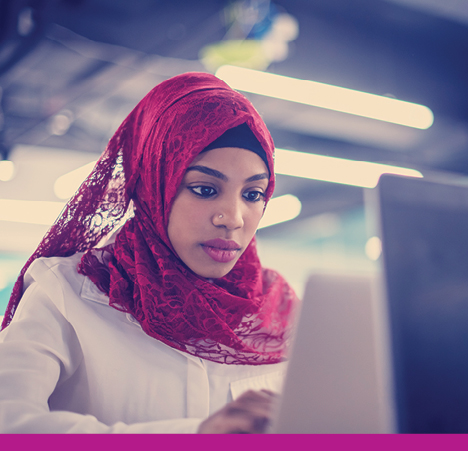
{"x":71,"y":70}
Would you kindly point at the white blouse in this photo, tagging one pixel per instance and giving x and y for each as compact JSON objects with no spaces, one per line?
{"x":70,"y":363}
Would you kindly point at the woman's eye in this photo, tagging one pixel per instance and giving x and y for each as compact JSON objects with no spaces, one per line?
{"x":203,"y":191}
{"x":253,"y":196}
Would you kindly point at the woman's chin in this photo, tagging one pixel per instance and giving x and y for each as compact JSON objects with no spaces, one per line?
{"x":216,"y":272}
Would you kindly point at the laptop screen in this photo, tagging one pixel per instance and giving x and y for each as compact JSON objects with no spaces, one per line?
{"x":424,"y":232}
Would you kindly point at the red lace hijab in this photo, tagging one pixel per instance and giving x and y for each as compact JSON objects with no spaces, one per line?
{"x":241,"y":318}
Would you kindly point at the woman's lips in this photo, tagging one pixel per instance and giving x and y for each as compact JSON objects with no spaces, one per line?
{"x":221,"y":251}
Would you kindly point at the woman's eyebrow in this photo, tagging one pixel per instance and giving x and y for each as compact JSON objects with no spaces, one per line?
{"x":214,"y":173}
{"x":208,"y":171}
{"x":261,"y":176}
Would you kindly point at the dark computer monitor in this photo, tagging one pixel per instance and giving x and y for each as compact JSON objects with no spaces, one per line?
{"x":424,"y":233}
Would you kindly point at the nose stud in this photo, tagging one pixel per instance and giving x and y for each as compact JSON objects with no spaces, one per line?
{"x":220,"y":216}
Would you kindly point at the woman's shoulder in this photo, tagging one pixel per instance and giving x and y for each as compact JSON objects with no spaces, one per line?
{"x":57,"y":265}
{"x":59,"y":280}
{"x":56,"y":273}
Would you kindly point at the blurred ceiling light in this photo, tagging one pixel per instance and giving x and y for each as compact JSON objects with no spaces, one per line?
{"x":281,"y":209}
{"x":247,"y":53}
{"x":25,"y":22}
{"x":60,"y":123}
{"x":337,"y":170}
{"x":373,"y":248}
{"x":30,"y":212}
{"x":7,"y":170}
{"x":66,"y":185}
{"x":327,"y":96}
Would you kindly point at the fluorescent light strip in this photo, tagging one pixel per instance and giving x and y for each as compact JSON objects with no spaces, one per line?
{"x":29,"y":211}
{"x":281,"y":209}
{"x":7,"y":170}
{"x":327,"y":96}
{"x":337,"y":170}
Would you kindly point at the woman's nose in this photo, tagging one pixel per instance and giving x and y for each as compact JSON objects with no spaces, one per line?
{"x":229,"y":215}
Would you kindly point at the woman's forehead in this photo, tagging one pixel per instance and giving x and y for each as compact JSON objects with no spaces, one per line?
{"x":228,"y":156}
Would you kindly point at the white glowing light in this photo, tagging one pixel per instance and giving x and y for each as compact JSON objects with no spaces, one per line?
{"x":7,"y":170}
{"x":281,"y":209}
{"x":337,"y":170}
{"x":31,"y":212}
{"x":66,"y":185}
{"x":327,"y":96}
{"x":60,"y":123}
{"x":373,"y":248}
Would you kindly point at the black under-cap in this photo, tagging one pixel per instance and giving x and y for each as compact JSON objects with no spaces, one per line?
{"x":242,"y":137}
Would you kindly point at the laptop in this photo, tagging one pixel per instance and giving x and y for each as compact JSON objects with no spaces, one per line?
{"x":388,"y":352}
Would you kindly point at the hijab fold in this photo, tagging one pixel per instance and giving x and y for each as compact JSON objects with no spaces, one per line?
{"x":241,"y":318}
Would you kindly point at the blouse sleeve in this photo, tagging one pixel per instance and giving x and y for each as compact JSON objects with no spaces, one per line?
{"x":38,"y":350}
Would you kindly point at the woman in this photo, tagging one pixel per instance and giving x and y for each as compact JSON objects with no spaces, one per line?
{"x":172,"y":325}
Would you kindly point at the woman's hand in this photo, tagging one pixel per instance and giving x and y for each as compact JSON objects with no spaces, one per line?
{"x":248,"y":414}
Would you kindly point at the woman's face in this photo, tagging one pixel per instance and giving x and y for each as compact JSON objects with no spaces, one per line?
{"x":217,"y":209}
